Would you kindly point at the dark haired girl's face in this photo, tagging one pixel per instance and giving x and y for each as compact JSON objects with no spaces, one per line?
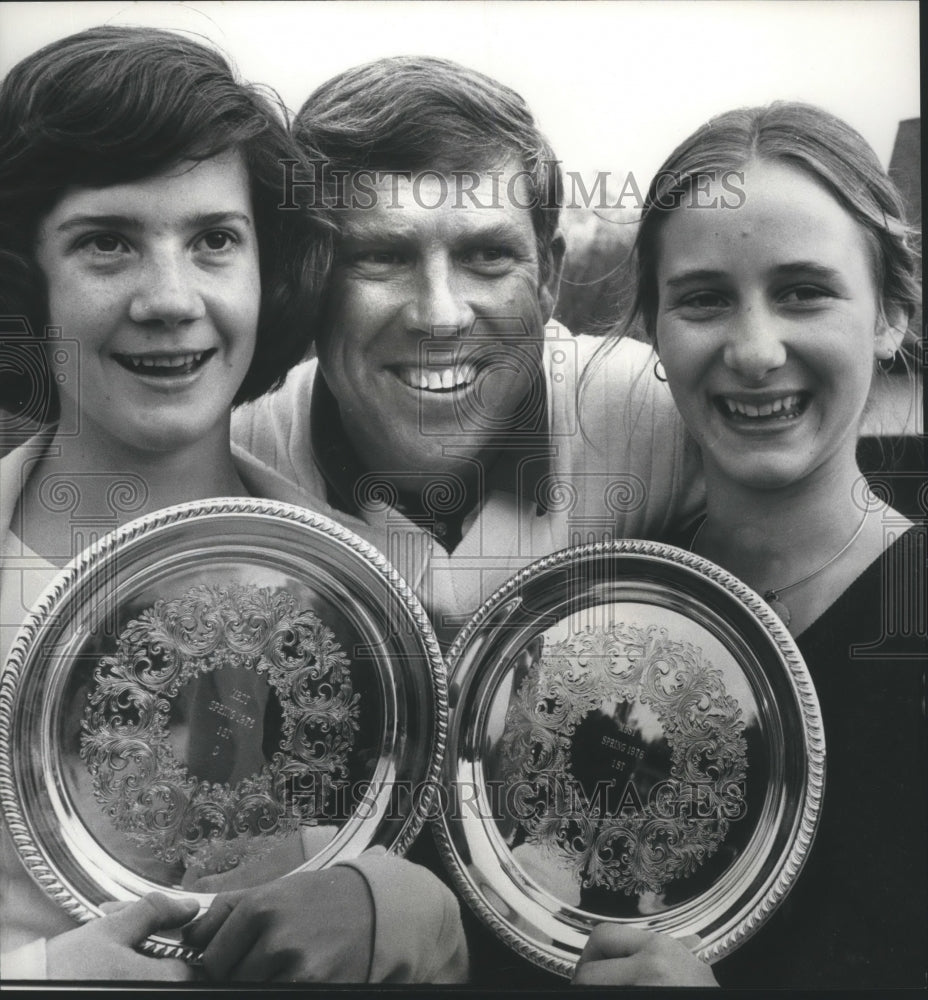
{"x":768,"y":322}
{"x":157,"y":280}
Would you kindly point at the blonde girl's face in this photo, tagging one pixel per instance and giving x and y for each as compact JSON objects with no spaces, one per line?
{"x":768,"y":324}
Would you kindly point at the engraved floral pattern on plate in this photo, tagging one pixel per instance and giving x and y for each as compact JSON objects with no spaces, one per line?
{"x":635,"y":738}
{"x":170,"y":806}
{"x":665,"y":757}
{"x":211,"y":697}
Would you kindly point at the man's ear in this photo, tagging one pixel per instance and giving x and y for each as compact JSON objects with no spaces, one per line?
{"x":890,"y":332}
{"x":547,"y":293}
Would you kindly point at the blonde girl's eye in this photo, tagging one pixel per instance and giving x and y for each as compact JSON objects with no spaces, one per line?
{"x":702,"y":303}
{"x":804,"y":295}
{"x":708,"y":300}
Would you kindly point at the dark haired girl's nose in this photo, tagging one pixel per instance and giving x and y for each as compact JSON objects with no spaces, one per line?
{"x":167,"y":292}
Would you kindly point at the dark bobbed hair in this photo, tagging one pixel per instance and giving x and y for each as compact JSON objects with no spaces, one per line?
{"x":414,"y":113}
{"x":814,"y":141}
{"x":117,"y":104}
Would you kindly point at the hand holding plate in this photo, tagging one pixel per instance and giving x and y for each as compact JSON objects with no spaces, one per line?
{"x":617,"y":955}
{"x":307,"y":927}
{"x":105,"y":948}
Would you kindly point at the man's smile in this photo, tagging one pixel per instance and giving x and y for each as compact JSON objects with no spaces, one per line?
{"x":437,"y":379}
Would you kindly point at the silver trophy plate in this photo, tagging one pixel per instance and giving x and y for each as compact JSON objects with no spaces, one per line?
{"x":634,"y":739}
{"x":213,"y":696}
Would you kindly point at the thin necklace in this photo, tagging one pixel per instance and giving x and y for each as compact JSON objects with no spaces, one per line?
{"x":772,"y":596}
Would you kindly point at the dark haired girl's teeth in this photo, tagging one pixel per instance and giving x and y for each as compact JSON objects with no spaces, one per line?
{"x":163,"y":365}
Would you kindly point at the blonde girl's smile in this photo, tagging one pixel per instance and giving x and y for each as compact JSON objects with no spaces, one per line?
{"x":768,"y":324}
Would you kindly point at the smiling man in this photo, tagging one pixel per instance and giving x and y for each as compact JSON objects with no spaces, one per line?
{"x":440,"y":417}
{"x":434,"y":330}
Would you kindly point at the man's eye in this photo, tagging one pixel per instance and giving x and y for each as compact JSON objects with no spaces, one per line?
{"x":375,"y":259}
{"x":218,"y":240}
{"x":489,"y":257}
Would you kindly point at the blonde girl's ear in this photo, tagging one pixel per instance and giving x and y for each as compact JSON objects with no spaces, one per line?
{"x":890,"y":332}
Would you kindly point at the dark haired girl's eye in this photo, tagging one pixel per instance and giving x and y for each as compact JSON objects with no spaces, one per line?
{"x":104,"y":243}
{"x":218,"y":239}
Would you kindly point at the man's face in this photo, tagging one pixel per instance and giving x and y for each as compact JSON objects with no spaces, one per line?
{"x":433,"y":338}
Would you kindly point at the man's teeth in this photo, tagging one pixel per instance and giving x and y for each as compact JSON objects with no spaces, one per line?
{"x":784,"y":407}
{"x":433,"y":380}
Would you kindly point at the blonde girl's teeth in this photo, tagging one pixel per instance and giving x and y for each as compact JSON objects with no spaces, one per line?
{"x":776,"y":406}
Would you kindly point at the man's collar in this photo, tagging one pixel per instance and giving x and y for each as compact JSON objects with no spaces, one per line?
{"x":341,"y":468}
{"x":333,"y":453}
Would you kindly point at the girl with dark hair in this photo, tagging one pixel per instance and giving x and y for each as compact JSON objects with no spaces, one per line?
{"x":776,"y":274}
{"x":150,"y":281}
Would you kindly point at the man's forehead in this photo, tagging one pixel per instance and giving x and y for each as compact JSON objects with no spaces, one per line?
{"x":400,"y":204}
{"x":502,"y":182}
{"x":406,"y":225}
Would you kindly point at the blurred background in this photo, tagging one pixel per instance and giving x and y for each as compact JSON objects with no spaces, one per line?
{"x":615,"y":84}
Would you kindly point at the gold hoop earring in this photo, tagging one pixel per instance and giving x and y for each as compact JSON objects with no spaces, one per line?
{"x":657,"y":374}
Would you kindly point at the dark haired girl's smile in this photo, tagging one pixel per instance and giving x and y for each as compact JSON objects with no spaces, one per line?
{"x":158,"y":282}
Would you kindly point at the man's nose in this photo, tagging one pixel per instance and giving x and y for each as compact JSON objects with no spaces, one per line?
{"x":167,"y":290}
{"x":755,"y":346}
{"x":438,"y":304}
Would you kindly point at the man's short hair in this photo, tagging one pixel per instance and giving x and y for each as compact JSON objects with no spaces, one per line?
{"x":414,"y":113}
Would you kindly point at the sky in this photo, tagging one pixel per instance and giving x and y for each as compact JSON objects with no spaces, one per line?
{"x":615,"y":85}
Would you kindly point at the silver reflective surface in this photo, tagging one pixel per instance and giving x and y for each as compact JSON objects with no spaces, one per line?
{"x":212,"y":697}
{"x":634,"y":738}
